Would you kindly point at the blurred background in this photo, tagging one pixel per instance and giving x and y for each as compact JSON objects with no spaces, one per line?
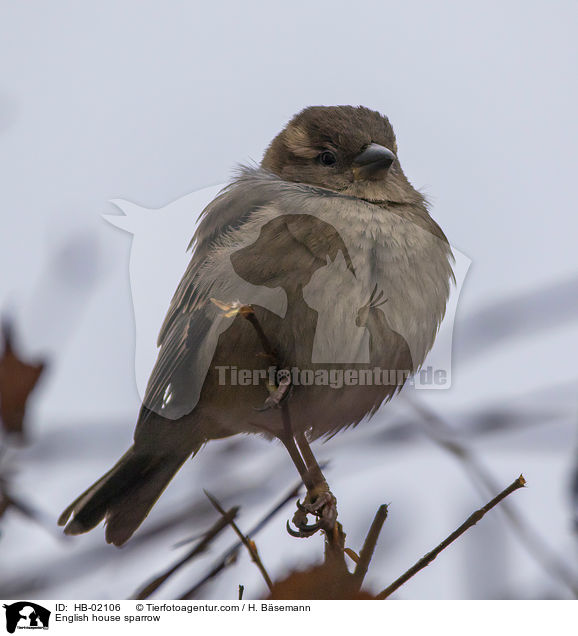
{"x":149,"y":102}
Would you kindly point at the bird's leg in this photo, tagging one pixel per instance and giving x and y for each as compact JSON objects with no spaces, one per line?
{"x":281,"y":390}
{"x":300,"y":517}
{"x":320,"y":500}
{"x":311,"y":462}
{"x":293,"y":451}
{"x":277,"y":393}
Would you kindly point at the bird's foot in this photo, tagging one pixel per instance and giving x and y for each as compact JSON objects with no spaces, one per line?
{"x":323,"y":506}
{"x":277,"y":393}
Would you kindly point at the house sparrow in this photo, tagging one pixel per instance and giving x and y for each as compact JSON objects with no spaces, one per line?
{"x":323,"y":263}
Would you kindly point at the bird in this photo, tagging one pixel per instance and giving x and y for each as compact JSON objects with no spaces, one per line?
{"x":316,"y":286}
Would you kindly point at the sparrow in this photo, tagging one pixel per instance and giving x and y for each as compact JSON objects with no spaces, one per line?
{"x":316,"y":287}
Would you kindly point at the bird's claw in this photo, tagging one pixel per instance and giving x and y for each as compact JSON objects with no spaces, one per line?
{"x":277,"y":395}
{"x":324,"y":507}
{"x":304,"y":531}
{"x":301,"y":506}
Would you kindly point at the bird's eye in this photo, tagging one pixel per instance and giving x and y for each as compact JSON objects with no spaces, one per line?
{"x":327,"y":158}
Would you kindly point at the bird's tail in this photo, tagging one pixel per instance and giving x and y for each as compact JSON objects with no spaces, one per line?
{"x":123,"y":496}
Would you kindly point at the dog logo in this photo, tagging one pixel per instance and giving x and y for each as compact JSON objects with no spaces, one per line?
{"x":26,"y":615}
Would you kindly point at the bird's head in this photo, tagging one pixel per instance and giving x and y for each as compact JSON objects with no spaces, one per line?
{"x":351,"y":150}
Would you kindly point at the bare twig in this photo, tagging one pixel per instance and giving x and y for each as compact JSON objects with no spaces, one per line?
{"x":229,"y":557}
{"x":224,"y":563}
{"x":366,"y":553}
{"x":352,"y":555}
{"x":445,"y":436}
{"x":250,"y":545}
{"x":574,"y":493}
{"x":335,"y":550}
{"x":469,"y":523}
{"x":524,"y":314}
{"x":8,"y":501}
{"x":220,"y":525}
{"x":55,"y":571}
{"x":241,"y":590}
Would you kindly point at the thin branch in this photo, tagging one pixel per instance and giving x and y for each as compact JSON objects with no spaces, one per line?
{"x":54,"y":571}
{"x":250,"y":545}
{"x":10,"y":502}
{"x":335,"y":550}
{"x":224,"y":563}
{"x":241,"y":590}
{"x":445,"y":436}
{"x":229,"y":557}
{"x":368,"y":549}
{"x":220,"y":525}
{"x":469,"y":523}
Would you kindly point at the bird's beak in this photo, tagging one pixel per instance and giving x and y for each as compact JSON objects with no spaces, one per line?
{"x":373,"y":163}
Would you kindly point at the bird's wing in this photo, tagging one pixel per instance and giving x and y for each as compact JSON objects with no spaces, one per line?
{"x":229,"y":211}
{"x":251,"y":240}
{"x":192,"y":325}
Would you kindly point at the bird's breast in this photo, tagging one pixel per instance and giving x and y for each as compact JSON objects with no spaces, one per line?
{"x":399,"y":281}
